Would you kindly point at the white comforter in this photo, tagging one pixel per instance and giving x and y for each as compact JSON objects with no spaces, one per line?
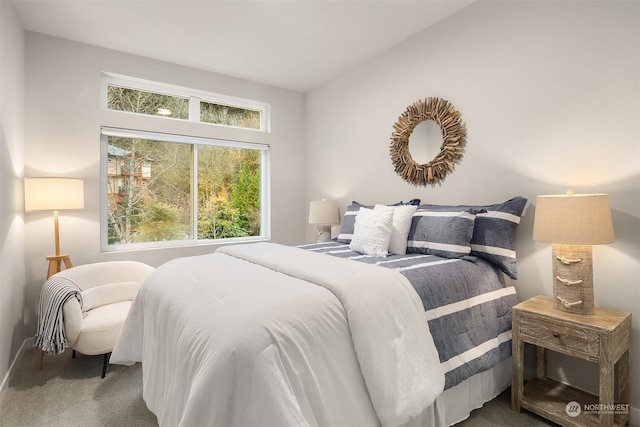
{"x":264,"y":334}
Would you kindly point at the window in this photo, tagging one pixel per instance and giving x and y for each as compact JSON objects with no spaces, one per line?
{"x":129,"y":95}
{"x":231,"y":116}
{"x":161,"y":189}
{"x":144,"y":102}
{"x":168,"y":188}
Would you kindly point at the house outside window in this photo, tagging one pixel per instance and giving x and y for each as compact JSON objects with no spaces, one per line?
{"x":163,"y":189}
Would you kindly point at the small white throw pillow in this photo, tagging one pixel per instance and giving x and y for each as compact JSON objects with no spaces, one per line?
{"x":372,"y":232}
{"x":402,"y":217}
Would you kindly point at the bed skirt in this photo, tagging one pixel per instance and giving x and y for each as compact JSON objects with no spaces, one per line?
{"x":455,"y":404}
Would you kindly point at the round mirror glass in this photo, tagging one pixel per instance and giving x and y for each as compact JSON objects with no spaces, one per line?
{"x":425,"y":141}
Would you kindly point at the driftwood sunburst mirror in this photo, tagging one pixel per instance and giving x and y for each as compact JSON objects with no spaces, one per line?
{"x":454,"y":136}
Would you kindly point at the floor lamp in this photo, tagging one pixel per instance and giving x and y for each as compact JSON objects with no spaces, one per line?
{"x":54,"y":194}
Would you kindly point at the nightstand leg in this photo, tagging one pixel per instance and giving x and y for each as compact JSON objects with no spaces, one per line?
{"x":623,"y":385}
{"x":541,"y":365}
{"x":517,"y":361}
{"x":607,"y":373}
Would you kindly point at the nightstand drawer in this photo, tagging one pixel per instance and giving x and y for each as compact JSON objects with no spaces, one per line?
{"x":574,"y":337}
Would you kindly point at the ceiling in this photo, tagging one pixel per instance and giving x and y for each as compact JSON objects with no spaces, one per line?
{"x":295,"y":45}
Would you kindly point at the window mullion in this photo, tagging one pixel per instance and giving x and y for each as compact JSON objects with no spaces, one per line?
{"x":194,"y":192}
{"x":194,"y":109}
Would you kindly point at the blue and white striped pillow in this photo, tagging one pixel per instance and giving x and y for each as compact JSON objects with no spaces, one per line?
{"x":348,"y":222}
{"x":494,"y":233}
{"x":494,"y":236}
{"x":441,"y":230}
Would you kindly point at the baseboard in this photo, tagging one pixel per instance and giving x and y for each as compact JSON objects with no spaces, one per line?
{"x":634,"y":419}
{"x":4,"y":386}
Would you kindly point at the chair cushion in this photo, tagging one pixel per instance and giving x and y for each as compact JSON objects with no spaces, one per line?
{"x":101,"y":328}
{"x":103,"y":273}
{"x":108,"y":294}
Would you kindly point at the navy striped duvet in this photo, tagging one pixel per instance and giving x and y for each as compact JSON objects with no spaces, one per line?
{"x":467,"y":303}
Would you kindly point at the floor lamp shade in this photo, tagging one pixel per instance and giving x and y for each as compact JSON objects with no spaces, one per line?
{"x":573,"y":223}
{"x":53,"y":194}
{"x":324,"y":213}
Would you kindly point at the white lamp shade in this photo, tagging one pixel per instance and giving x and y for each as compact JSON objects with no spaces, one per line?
{"x":53,"y":194}
{"x":573,"y":219}
{"x":323,"y":212}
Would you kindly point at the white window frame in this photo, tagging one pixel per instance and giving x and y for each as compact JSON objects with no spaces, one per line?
{"x":265,"y":208}
{"x":194,"y":96}
{"x":120,"y":122}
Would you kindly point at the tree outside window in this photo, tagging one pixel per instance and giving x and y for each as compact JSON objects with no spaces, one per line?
{"x":150,"y":191}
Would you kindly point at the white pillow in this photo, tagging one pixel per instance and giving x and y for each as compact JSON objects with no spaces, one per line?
{"x":372,"y":232}
{"x":402,"y":217}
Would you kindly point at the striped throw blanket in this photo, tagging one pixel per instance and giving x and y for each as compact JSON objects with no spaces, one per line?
{"x":55,"y":292}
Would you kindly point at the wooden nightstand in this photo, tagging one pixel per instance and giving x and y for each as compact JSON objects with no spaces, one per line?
{"x":603,"y":337}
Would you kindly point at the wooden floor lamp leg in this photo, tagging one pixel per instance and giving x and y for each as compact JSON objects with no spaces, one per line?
{"x":67,"y":261}
{"x":54,"y":267}
{"x":55,"y":263}
{"x":39,"y":358}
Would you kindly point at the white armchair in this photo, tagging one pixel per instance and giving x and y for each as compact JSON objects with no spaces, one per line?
{"x":108,"y":288}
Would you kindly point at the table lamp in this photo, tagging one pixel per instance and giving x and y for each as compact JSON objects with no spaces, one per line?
{"x":323,"y":213}
{"x":54,"y":194}
{"x":573,"y":223}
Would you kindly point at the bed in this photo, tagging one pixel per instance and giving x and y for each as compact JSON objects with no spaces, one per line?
{"x":334,"y":333}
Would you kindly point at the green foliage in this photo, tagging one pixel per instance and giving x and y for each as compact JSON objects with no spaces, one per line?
{"x":123,"y":215}
{"x":219,"y":220}
{"x":159,"y":222}
{"x":245,"y":197}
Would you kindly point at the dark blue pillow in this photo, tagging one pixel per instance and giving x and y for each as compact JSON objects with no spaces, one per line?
{"x":494,"y":232}
{"x":441,"y":230}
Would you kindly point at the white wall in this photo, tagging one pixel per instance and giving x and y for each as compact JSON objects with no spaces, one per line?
{"x":549,"y":91}
{"x":64,"y":115}
{"x":550,"y":94}
{"x":12,"y":271}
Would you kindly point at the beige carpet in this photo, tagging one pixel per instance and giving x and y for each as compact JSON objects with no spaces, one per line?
{"x":69,"y":392}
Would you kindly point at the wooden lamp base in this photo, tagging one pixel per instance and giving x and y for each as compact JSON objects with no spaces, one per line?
{"x":55,"y":263}
{"x":573,"y":278}
{"x":324,"y":233}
